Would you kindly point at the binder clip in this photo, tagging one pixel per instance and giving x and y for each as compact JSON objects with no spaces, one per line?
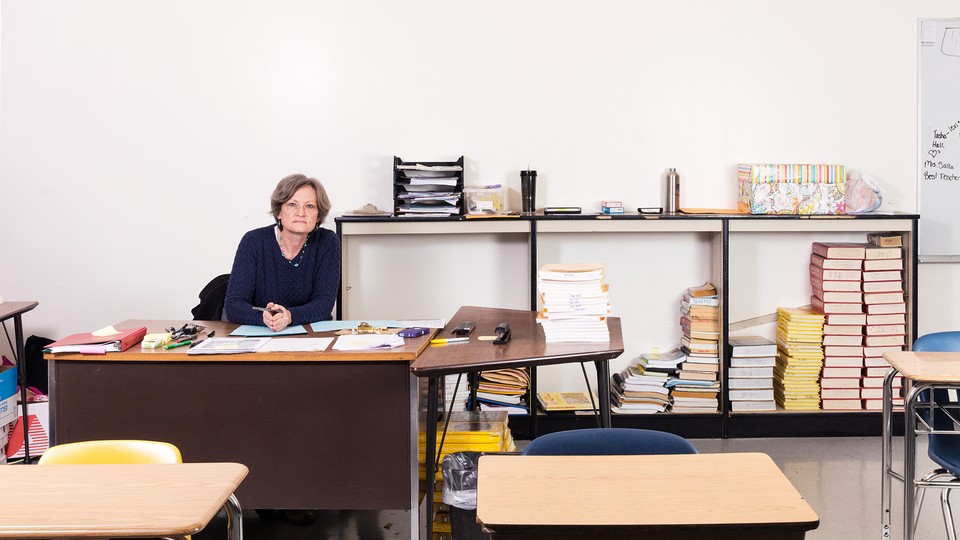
{"x":503,"y":334}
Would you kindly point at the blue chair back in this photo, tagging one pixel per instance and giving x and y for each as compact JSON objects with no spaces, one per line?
{"x":943,"y":449}
{"x":608,"y":441}
{"x":938,"y":342}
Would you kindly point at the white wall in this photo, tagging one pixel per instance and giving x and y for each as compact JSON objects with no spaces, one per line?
{"x":139,"y":140}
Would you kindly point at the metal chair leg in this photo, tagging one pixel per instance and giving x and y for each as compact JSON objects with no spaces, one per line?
{"x":948,"y":514}
{"x":916,"y":515}
{"x":234,"y":518}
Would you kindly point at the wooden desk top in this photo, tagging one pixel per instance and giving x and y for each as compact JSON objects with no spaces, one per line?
{"x":527,"y":347}
{"x":96,"y":501}
{"x":12,"y":309}
{"x":640,"y":491}
{"x":943,"y":367}
{"x":407,"y":353}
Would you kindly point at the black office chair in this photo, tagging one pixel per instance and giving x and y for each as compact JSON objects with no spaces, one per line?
{"x":212,"y":297}
{"x":608,"y":442}
{"x":943,"y":449}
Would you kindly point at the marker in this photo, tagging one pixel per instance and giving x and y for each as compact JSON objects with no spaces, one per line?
{"x":270,"y":311}
{"x":441,"y":341}
{"x":177,"y":344}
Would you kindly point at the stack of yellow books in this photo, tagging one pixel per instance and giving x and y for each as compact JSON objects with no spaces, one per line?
{"x":799,"y":359}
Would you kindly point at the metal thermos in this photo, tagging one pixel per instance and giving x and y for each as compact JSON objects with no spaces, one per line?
{"x":673,"y":191}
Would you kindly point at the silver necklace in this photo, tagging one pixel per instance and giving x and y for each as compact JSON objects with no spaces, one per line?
{"x":283,"y":250}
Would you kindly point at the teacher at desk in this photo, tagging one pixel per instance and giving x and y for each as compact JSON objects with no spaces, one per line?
{"x":291,"y":268}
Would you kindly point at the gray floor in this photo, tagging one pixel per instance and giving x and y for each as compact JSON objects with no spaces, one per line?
{"x":839,"y":477}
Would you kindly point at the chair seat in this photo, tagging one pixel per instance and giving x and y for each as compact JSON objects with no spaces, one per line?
{"x":944,"y":450}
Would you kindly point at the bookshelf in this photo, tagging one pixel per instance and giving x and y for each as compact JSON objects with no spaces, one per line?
{"x":757,"y":263}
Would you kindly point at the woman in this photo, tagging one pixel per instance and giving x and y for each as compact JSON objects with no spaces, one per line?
{"x":292,"y":268}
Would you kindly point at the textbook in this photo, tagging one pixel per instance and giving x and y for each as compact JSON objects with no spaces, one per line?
{"x":102,"y":341}
{"x":565,"y":401}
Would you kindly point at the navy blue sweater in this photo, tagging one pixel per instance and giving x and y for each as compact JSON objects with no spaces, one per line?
{"x":261,"y":275}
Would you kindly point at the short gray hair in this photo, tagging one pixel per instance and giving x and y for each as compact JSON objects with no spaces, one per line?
{"x":289,"y":185}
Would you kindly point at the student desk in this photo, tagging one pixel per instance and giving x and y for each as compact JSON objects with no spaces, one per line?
{"x":690,"y":496}
{"x":527,"y":347}
{"x":921,"y":371}
{"x":117,"y":501}
{"x":318,"y":430}
{"x":15,"y":311}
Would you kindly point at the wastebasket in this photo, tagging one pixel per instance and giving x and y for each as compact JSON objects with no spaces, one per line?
{"x":460,"y":493}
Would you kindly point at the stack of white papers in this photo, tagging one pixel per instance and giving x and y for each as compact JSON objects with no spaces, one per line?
{"x":357,"y":342}
{"x":228,"y":345}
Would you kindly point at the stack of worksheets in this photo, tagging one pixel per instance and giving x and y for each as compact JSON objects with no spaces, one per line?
{"x":575,"y":302}
{"x":504,"y":389}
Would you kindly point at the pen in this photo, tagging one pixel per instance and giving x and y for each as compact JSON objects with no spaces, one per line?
{"x":177,"y":344}
{"x":270,"y":311}
{"x":441,"y":341}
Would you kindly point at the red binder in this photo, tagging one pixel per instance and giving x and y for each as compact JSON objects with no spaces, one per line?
{"x":87,"y":343}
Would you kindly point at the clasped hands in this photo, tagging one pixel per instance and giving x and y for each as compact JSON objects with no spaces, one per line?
{"x":277,"y":317}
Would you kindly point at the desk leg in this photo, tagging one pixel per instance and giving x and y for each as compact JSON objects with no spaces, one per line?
{"x":234,"y":518}
{"x":431,"y":452}
{"x":909,"y":458}
{"x":887,"y":453}
{"x":22,"y":372}
{"x":603,"y":391}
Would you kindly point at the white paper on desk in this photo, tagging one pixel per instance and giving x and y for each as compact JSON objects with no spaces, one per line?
{"x":226,"y":345}
{"x":359,"y":342}
{"x":297,"y":344}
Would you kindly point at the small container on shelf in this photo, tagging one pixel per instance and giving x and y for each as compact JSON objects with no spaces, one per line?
{"x":487,"y":200}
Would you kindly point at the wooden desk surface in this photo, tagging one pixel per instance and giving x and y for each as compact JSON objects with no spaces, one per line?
{"x":641,"y":491}
{"x":942,"y":367}
{"x":94,"y":501}
{"x":407,"y":353}
{"x":528,"y":346}
{"x":12,"y":309}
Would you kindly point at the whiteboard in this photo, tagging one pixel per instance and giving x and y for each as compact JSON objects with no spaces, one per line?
{"x":938,"y":177}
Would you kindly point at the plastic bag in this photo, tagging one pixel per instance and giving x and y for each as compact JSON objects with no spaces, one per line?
{"x":460,"y":479}
{"x":863,"y":194}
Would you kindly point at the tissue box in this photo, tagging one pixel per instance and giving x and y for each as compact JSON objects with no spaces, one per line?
{"x":791,"y":189}
{"x":484,"y":200}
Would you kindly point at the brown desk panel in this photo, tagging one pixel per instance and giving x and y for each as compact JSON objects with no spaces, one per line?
{"x":317,"y":430}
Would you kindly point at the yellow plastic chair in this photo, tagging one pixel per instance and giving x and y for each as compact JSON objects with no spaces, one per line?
{"x":111,"y":452}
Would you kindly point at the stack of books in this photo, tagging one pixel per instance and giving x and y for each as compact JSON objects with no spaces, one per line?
{"x":611,"y":207}
{"x":859,"y":288}
{"x":700,"y":327}
{"x":836,"y":278}
{"x":796,"y":375}
{"x":641,"y":387}
{"x":504,"y":389}
{"x":886,"y":309}
{"x":750,"y":375}
{"x":575,"y":302}
{"x":475,"y":431}
{"x":455,"y":395}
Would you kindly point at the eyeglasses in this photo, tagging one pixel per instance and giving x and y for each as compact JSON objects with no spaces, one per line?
{"x":310,"y":208}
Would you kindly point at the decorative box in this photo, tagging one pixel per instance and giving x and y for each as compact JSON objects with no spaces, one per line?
{"x":791,"y":189}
